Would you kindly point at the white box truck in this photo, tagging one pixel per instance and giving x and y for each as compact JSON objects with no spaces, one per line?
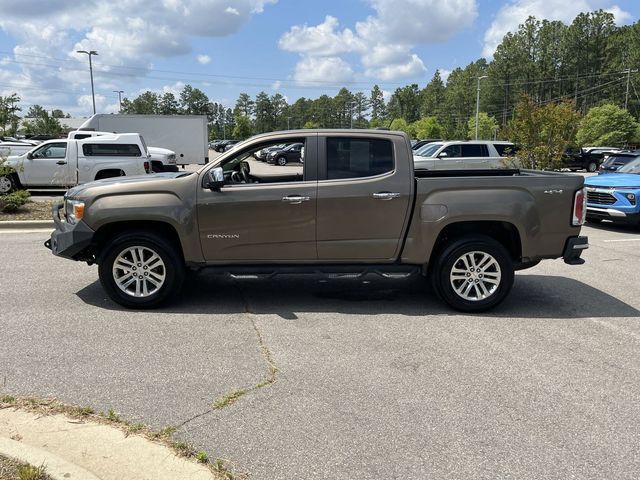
{"x":187,"y":135}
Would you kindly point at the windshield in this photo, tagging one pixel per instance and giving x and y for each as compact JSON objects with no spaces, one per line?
{"x":631,"y":167}
{"x":428,"y":150}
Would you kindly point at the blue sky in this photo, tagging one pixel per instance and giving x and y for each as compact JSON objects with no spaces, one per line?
{"x":224,"y":47}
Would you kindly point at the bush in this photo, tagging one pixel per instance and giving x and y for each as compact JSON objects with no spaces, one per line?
{"x":11,"y":202}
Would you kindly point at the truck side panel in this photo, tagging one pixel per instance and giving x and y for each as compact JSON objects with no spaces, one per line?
{"x":538,"y":206}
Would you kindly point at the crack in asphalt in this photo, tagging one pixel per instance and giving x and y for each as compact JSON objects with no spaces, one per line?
{"x":271,"y":377}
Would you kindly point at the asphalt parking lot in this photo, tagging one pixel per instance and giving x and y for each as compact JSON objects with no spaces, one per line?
{"x":376,"y":378}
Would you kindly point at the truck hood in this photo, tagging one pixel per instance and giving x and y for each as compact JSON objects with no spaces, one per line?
{"x":127,"y":183}
{"x":614,"y":180}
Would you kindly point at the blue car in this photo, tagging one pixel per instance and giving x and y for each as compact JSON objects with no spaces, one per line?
{"x":615,"y":196}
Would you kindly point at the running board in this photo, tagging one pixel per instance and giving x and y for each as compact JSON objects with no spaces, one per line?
{"x":328,"y":271}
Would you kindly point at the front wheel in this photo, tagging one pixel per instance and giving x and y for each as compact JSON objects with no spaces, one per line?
{"x":141,"y":270}
{"x":7,"y":184}
{"x":592,"y":167}
{"x":473,"y":274}
{"x":282,"y":161}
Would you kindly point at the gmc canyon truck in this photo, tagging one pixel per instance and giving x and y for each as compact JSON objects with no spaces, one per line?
{"x":356,"y":205}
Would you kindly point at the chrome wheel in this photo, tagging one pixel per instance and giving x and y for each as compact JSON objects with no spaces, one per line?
{"x":5,"y":184}
{"x":139,"y":271}
{"x":475,"y":276}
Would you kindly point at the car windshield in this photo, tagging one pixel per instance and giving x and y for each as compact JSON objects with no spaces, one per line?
{"x":428,"y":150}
{"x":631,"y":167}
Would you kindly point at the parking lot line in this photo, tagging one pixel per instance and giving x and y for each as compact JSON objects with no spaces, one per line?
{"x":623,"y":240}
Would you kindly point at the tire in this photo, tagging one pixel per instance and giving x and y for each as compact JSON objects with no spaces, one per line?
{"x":282,"y":161}
{"x":592,"y":167}
{"x":485,"y":293}
{"x":125,"y":251}
{"x":7,"y":184}
{"x":593,"y":220}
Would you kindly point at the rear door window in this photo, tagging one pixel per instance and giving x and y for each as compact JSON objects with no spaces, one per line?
{"x":474,"y":150}
{"x":504,"y":149}
{"x":358,"y":157}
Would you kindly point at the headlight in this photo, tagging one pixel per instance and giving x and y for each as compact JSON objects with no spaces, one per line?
{"x":73,"y":211}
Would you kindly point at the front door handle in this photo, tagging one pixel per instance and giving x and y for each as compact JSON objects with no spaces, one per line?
{"x":61,"y":162}
{"x":295,"y":199}
{"x":385,"y":195}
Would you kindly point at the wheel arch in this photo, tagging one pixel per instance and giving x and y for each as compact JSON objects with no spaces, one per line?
{"x":505,"y":233}
{"x":109,"y":173}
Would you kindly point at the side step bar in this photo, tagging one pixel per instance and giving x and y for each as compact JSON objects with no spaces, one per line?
{"x":328,"y":271}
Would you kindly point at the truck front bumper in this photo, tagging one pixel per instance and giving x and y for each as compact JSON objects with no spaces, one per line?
{"x":573,"y":250}
{"x":67,"y":240}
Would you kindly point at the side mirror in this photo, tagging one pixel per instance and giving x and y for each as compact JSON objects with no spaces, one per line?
{"x":30,"y":155}
{"x":215,"y":180}
{"x":443,"y":154}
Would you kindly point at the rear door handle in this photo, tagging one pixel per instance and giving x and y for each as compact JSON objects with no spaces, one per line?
{"x":295,"y":199}
{"x":61,"y":162}
{"x":386,"y":195}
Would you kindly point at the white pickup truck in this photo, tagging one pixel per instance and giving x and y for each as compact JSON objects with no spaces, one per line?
{"x":57,"y":164}
{"x":161,"y":159}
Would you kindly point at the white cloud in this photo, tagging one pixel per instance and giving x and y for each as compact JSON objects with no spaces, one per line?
{"x":320,"y":40}
{"x":444,"y":74}
{"x":383,"y":41}
{"x":321,"y":69}
{"x":276,"y":85}
{"x":515,"y":13}
{"x":124,"y":32}
{"x":203,"y":59}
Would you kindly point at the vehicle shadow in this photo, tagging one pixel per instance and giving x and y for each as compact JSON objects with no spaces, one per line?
{"x":533,"y":296}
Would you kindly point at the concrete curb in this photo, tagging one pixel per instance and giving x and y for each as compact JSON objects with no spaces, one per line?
{"x":26,"y":224}
{"x":56,"y":467}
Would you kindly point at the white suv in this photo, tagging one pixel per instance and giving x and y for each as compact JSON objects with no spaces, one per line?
{"x":459,"y":155}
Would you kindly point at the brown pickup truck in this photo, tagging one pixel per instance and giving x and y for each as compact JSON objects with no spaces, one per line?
{"x":353,"y":204}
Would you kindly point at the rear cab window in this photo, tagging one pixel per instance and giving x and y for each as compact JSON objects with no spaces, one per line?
{"x":111,"y":150}
{"x":505,"y":149}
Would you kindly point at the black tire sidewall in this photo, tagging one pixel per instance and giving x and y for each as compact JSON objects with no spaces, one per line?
{"x":282,"y":161}
{"x":457,"y":249}
{"x":595,"y":167}
{"x":174,"y":268}
{"x":12,"y":182}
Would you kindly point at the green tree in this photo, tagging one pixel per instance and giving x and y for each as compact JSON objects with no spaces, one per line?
{"x":194,"y":101}
{"x":401,"y":125}
{"x":427,"y":127}
{"x":432,"y":96}
{"x":242,"y":128}
{"x":168,"y":104}
{"x":378,"y":105}
{"x":405,"y":103}
{"x":244,"y":106}
{"x":543,"y":132}
{"x":35,"y":111}
{"x":311,"y":124}
{"x":487,"y":127}
{"x":45,"y":124}
{"x":144,"y":104}
{"x":607,"y":125}
{"x":8,"y":118}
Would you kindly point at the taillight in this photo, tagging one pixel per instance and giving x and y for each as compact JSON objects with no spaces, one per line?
{"x":146,"y":167}
{"x":579,"y":208}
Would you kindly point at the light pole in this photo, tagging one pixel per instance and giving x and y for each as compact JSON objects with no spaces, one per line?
{"x":119,"y":92}
{"x":93,"y":95}
{"x":478,"y":104}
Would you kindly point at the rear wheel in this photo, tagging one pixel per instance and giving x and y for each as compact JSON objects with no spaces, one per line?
{"x":141,"y":270}
{"x":473,"y":274}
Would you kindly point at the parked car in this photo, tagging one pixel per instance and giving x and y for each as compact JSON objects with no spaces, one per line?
{"x":356,"y":206}
{"x":41,"y":137}
{"x":617,"y":160}
{"x":615,"y":197}
{"x":457,"y":155}
{"x":289,"y":154}
{"x":421,"y":143}
{"x":64,"y":163}
{"x":262,"y":154}
{"x":224,"y":145}
{"x":589,"y":158}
